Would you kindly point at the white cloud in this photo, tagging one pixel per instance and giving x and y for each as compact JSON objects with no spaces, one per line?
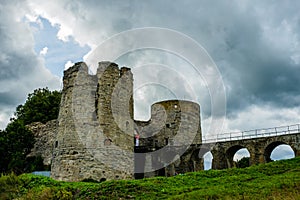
{"x":73,"y":20}
{"x":33,"y":18}
{"x":44,"y":51}
{"x":262,"y":116}
{"x":68,"y":64}
{"x":64,"y":33}
{"x":22,"y":70}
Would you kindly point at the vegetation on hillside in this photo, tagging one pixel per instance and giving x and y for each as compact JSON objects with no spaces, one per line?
{"x":275,"y":180}
{"x":16,"y":140}
{"x":242,"y":163}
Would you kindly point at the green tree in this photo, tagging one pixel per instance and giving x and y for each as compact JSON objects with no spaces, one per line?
{"x":3,"y":152}
{"x":244,"y":162}
{"x":41,"y":106}
{"x":20,"y":141}
{"x":16,"y":140}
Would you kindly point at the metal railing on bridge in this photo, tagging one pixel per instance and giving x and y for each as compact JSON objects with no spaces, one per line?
{"x":251,"y":134}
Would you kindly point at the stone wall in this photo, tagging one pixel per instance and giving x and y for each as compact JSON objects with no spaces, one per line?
{"x":44,"y":139}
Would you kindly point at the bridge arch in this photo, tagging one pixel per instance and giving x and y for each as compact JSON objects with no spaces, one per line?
{"x":231,"y":151}
{"x":270,"y":147}
{"x":202,"y":154}
{"x":203,"y":151}
{"x":208,"y":160}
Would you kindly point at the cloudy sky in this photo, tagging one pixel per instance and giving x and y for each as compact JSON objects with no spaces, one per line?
{"x":255,"y":46}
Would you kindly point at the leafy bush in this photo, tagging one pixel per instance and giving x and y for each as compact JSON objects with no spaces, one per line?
{"x":9,"y":186}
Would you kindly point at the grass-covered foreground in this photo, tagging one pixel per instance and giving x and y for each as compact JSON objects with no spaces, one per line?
{"x":276,"y":180}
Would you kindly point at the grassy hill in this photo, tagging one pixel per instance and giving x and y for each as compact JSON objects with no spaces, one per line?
{"x":276,"y":180}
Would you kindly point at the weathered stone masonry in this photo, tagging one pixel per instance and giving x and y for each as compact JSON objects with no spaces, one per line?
{"x":93,"y":137}
{"x":169,"y":140}
{"x":88,"y":141}
{"x":44,"y":135}
{"x":95,"y":134}
{"x":260,"y":149}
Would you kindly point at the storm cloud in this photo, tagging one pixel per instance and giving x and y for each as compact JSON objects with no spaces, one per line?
{"x":255,"y":45}
{"x":21,"y":69}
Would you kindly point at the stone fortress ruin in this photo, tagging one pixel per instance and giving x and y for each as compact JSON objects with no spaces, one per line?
{"x":96,"y":137}
{"x":96,"y":131}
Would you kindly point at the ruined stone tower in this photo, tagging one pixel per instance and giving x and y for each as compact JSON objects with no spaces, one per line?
{"x":95,"y":133}
{"x":95,"y":125}
{"x":169,"y":140}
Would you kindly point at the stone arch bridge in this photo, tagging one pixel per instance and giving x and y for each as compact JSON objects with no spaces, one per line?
{"x":260,"y":143}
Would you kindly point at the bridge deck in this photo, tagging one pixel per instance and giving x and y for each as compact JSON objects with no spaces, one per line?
{"x":251,"y":134}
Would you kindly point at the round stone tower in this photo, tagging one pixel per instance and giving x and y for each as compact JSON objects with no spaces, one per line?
{"x":168,"y":139}
{"x":173,"y":122}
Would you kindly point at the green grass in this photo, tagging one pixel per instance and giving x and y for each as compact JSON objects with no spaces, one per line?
{"x":276,"y":180}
